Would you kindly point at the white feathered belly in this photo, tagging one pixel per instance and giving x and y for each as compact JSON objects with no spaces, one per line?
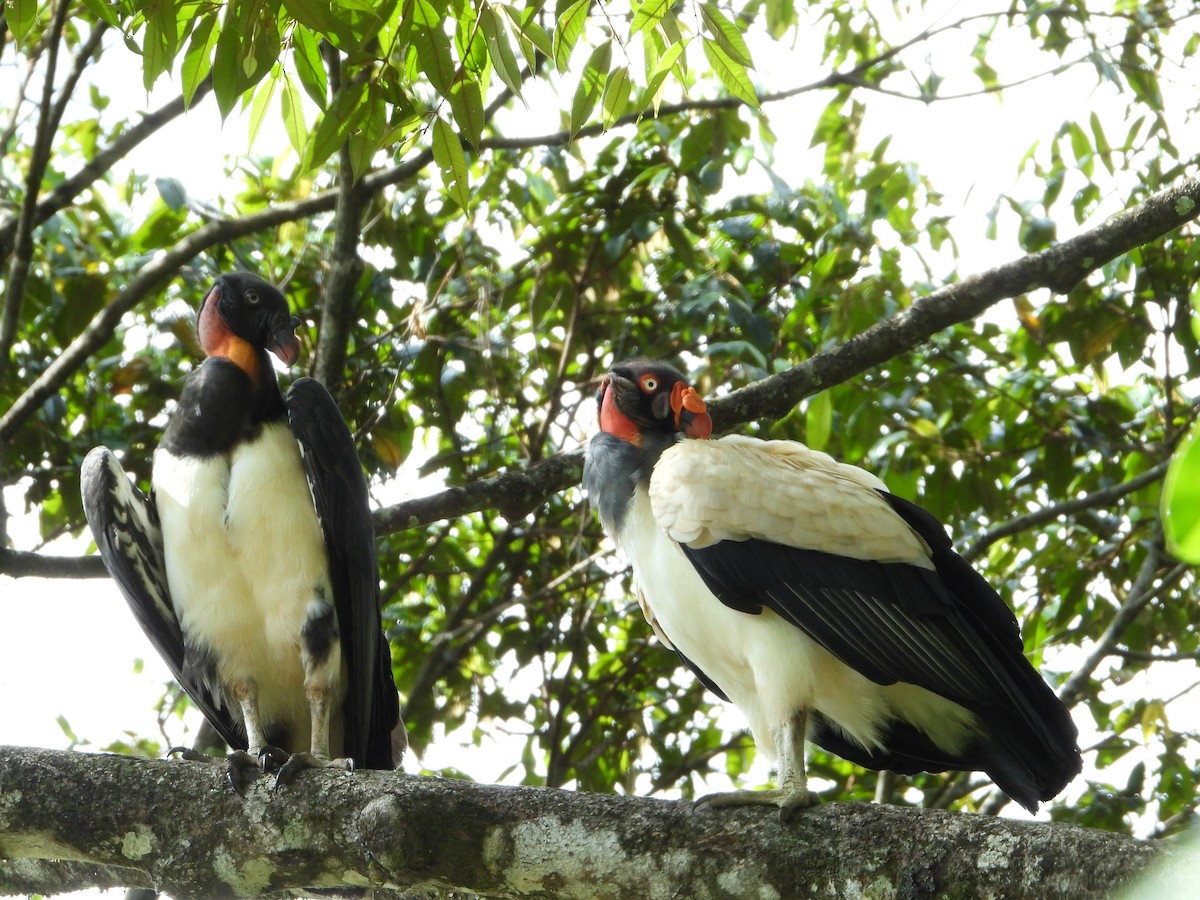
{"x":245,"y":558}
{"x":769,"y":668}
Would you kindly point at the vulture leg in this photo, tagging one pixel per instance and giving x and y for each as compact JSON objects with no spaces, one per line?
{"x":241,"y":768}
{"x":792,"y":793}
{"x":321,"y":653}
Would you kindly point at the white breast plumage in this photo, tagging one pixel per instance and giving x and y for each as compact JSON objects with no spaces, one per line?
{"x":253,"y":511}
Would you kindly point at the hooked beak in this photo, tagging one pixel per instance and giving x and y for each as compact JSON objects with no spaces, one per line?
{"x":283,"y":342}
{"x":691,"y":413}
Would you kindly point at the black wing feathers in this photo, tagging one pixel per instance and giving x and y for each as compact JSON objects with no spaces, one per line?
{"x":124,"y":523}
{"x":339,"y":492}
{"x":947,"y":631}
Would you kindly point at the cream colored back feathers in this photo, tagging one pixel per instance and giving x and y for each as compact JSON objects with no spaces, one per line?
{"x":739,"y":487}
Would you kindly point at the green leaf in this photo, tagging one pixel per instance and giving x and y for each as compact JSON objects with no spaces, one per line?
{"x":336,"y":125}
{"x":652,"y":95}
{"x":172,"y":191}
{"x":159,"y":41}
{"x":260,"y":105}
{"x":500,"y":50}
{"x":448,"y":154}
{"x":781,"y":15}
{"x":727,"y":35}
{"x":367,"y":137}
{"x":1081,"y":147}
{"x":818,"y":420}
{"x":102,"y":9}
{"x":532,"y":36}
{"x":21,"y":14}
{"x":648,"y":15}
{"x":310,"y":68}
{"x":616,"y":96}
{"x":1102,"y":147}
{"x":433,"y":47}
{"x":591,"y":86}
{"x":319,"y":17}
{"x":731,"y":72}
{"x":1181,"y":500}
{"x":159,"y":228}
{"x":226,"y":67}
{"x":292,"y":109}
{"x":567,"y":31}
{"x":466,"y":103}
{"x":197,"y":60}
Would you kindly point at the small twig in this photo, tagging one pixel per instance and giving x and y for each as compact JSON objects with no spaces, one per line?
{"x":1141,"y":593}
{"x":1049,"y":513}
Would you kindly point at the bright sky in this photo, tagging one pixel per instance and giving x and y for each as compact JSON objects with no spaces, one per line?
{"x":67,"y":648}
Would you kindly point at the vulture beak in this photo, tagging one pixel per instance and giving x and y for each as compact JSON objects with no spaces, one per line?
{"x":283,"y":342}
{"x":691,"y":414}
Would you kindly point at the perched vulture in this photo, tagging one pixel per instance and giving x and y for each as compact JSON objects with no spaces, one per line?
{"x":822,"y":606}
{"x":251,"y":567}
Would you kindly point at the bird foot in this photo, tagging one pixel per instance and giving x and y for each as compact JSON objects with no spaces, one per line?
{"x":298,"y":762}
{"x":191,"y":754}
{"x":241,"y":769}
{"x":787,"y":801}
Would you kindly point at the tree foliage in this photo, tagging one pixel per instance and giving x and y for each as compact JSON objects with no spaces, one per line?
{"x":464,"y":281}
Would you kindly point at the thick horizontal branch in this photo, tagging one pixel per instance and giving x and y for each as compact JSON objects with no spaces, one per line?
{"x":26,"y":564}
{"x":515,"y":494}
{"x":1058,"y":268}
{"x":519,"y":492}
{"x":176,"y":826}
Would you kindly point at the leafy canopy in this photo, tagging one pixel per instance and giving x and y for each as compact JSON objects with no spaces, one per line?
{"x":478,"y":277}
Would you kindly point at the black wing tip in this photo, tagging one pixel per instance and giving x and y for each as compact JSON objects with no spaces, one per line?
{"x":1028,"y":774}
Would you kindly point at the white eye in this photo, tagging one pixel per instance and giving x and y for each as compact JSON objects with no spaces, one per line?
{"x":649,"y":384}
{"x":252,"y":297}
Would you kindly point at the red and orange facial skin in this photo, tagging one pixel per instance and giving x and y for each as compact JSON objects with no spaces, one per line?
{"x":691,"y":412}
{"x":678,"y":408}
{"x":217,"y":339}
{"x":612,"y":420}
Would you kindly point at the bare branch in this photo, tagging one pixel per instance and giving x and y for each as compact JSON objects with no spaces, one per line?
{"x":24,"y":564}
{"x":341,"y":833}
{"x":39,"y":159}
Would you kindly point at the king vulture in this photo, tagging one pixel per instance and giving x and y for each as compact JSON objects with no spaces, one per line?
{"x":251,"y":567}
{"x":822,"y":606}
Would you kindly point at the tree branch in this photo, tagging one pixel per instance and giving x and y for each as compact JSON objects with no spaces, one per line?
{"x":517,"y":493}
{"x":39,"y":159}
{"x":151,"y":276}
{"x":1146,"y":586}
{"x":1051,"y":512}
{"x":1058,"y":268}
{"x":25,"y":564}
{"x":341,"y":833}
{"x":337,"y":304}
